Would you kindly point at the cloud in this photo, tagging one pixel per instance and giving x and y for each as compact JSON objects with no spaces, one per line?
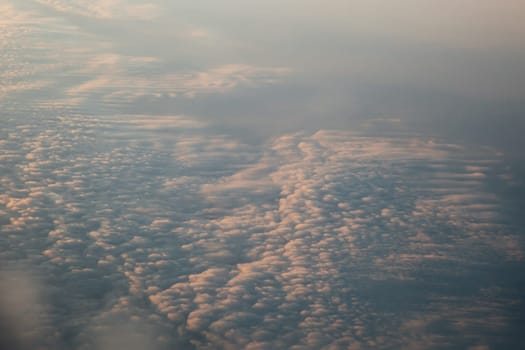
{"x":163,"y":232}
{"x":105,"y":9}
{"x":82,"y":69}
{"x":114,"y":82}
{"x":194,"y":239}
{"x":24,"y":318}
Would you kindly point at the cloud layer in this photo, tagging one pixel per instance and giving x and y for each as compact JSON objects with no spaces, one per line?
{"x":193,"y":239}
{"x":141,"y":208}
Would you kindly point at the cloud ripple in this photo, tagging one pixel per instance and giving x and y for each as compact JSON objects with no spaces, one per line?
{"x":191,"y":239}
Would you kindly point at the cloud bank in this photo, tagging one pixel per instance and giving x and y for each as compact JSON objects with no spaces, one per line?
{"x":193,"y":239}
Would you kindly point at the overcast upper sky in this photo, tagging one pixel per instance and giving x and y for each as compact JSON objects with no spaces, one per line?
{"x":451,"y":68}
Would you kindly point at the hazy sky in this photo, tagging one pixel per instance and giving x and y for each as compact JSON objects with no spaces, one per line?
{"x":451,"y":68}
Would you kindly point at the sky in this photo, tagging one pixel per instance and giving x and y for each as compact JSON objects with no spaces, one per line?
{"x":262,"y":175}
{"x":454,"y":69}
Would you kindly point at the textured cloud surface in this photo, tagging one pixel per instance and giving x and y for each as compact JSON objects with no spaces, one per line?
{"x":192,"y":239}
{"x":261,"y":175}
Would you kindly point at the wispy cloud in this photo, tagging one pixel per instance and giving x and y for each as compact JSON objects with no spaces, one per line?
{"x":106,"y":9}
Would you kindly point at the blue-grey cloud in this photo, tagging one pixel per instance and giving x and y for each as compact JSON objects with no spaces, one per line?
{"x":310,"y":241}
{"x":168,"y":178}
